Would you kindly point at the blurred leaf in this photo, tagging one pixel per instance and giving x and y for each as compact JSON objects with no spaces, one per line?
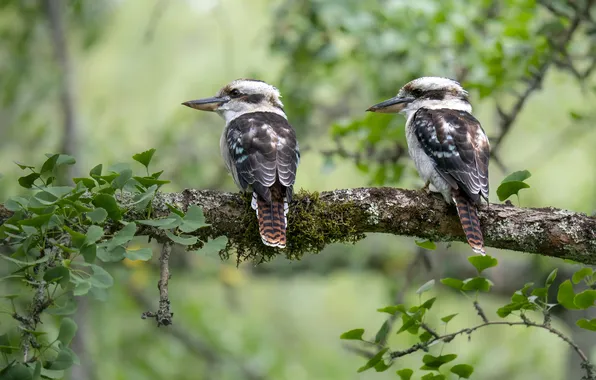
{"x":213,"y":246}
{"x":64,"y":360}
{"x":109,"y":204}
{"x":182,"y":239}
{"x":167,"y":223}
{"x":123,"y":236}
{"x":124,"y":176}
{"x":426,"y":244}
{"x":428,"y":303}
{"x":37,"y":370}
{"x":28,"y":180}
{"x":585,"y":299}
{"x":5,"y":344}
{"x":435,"y":362}
{"x":551,"y":278}
{"x":566,"y":295}
{"x":100,"y":278}
{"x":477,"y":283}
{"x":175,"y":210}
{"x":425,"y":336}
{"x":98,"y":215}
{"x":482,"y":262}
{"x":87,"y":182}
{"x":383,"y":332}
{"x":453,"y":283}
{"x":512,"y":184}
{"x":57,"y":274}
{"x":96,"y":171}
{"x":68,"y":329}
{"x":374,"y":360}
{"x":142,"y":254}
{"x":94,"y":233}
{"x":382,"y":367}
{"x":37,"y":221}
{"x":89,"y":252}
{"x":587,"y":324}
{"x":448,"y":318}
{"x":426,"y":287}
{"x":355,"y":334}
{"x":81,"y":288}
{"x":68,"y":308}
{"x":462,"y":370}
{"x":193,"y":220}
{"x":145,"y":157}
{"x":405,"y":374}
{"x":432,"y":376}
{"x":581,"y":274}
{"x":393,"y":309}
{"x":23,"y":166}
{"x":17,"y":371}
{"x":52,"y":374}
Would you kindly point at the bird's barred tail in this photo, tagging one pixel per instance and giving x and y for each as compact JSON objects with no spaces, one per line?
{"x":272,"y":219}
{"x":468,"y":215}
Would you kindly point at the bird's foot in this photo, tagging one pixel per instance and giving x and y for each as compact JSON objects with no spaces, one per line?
{"x":426,"y":187}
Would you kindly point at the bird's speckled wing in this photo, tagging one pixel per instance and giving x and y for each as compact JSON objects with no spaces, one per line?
{"x":263,"y":149}
{"x":458,"y":146}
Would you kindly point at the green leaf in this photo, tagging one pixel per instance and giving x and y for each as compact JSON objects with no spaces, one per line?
{"x":123,"y":236}
{"x":521,"y":176}
{"x":123,"y":177}
{"x":110,"y":255}
{"x":100,"y":278}
{"x":98,"y":215}
{"x":96,"y":171}
{"x":68,"y":308}
{"x":89,"y":252}
{"x":23,"y":166}
{"x":49,"y":164}
{"x":448,"y":318}
{"x":28,"y":180}
{"x":382,"y":367}
{"x":37,"y":221}
{"x":182,"y":239}
{"x":587,"y":324}
{"x":585,"y":299}
{"x":507,"y":189}
{"x":68,"y":329}
{"x":432,"y":376}
{"x":81,"y":288}
{"x":50,"y":374}
{"x":78,"y":239}
{"x":142,"y":254}
{"x":175,"y":210}
{"x":87,"y":182}
{"x":57,"y":274}
{"x":145,"y":157}
{"x":566,"y":295}
{"x":193,"y":220}
{"x":167,"y":223}
{"x":462,"y":370}
{"x":482,"y":262}
{"x":26,"y":263}
{"x":213,"y":246}
{"x":383,"y":332}
{"x":37,"y":370}
{"x":355,"y":334}
{"x":5,"y":344}
{"x":16,"y":203}
{"x":142,"y":200}
{"x":426,"y":244}
{"x":435,"y":362}
{"x":581,"y":274}
{"x":425,"y":336}
{"x":426,"y":287}
{"x":64,"y":360}
{"x":405,"y":374}
{"x":148,"y":181}
{"x":428,"y":303}
{"x":17,"y":371}
{"x":393,"y":309}
{"x":477,"y":283}
{"x":94,"y":233}
{"x":551,"y":278}
{"x":374,"y":360}
{"x":109,"y":204}
{"x":453,"y":283}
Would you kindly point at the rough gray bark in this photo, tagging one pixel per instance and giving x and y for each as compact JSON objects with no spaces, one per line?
{"x":345,"y":215}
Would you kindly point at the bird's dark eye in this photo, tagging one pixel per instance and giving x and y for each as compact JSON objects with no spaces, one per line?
{"x":235,"y":92}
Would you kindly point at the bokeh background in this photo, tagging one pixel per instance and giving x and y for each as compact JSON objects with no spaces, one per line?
{"x":103,"y":80}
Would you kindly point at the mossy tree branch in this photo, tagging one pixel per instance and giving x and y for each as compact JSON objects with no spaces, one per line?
{"x":316,"y":220}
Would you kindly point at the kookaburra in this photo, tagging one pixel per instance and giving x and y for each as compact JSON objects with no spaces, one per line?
{"x":260,"y":150}
{"x":449,"y":147}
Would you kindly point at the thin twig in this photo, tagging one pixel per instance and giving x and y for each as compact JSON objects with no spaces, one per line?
{"x":164,"y":315}
{"x":480,"y":312}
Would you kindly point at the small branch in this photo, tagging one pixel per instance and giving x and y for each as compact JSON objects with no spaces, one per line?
{"x":448,"y":337}
{"x":480,"y":312}
{"x":430,"y":331}
{"x":164,"y":315}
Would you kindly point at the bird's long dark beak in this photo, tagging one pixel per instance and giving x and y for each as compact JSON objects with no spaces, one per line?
{"x":207,"y":104}
{"x":393,"y":105}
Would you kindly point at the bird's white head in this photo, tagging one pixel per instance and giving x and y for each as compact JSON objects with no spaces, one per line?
{"x":426,"y":92}
{"x":240,"y":97}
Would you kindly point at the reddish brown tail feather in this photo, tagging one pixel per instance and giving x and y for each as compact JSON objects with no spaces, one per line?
{"x":272,"y":219}
{"x":470,"y":223}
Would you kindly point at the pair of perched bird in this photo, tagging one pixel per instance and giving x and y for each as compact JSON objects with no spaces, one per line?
{"x":448,"y":145}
